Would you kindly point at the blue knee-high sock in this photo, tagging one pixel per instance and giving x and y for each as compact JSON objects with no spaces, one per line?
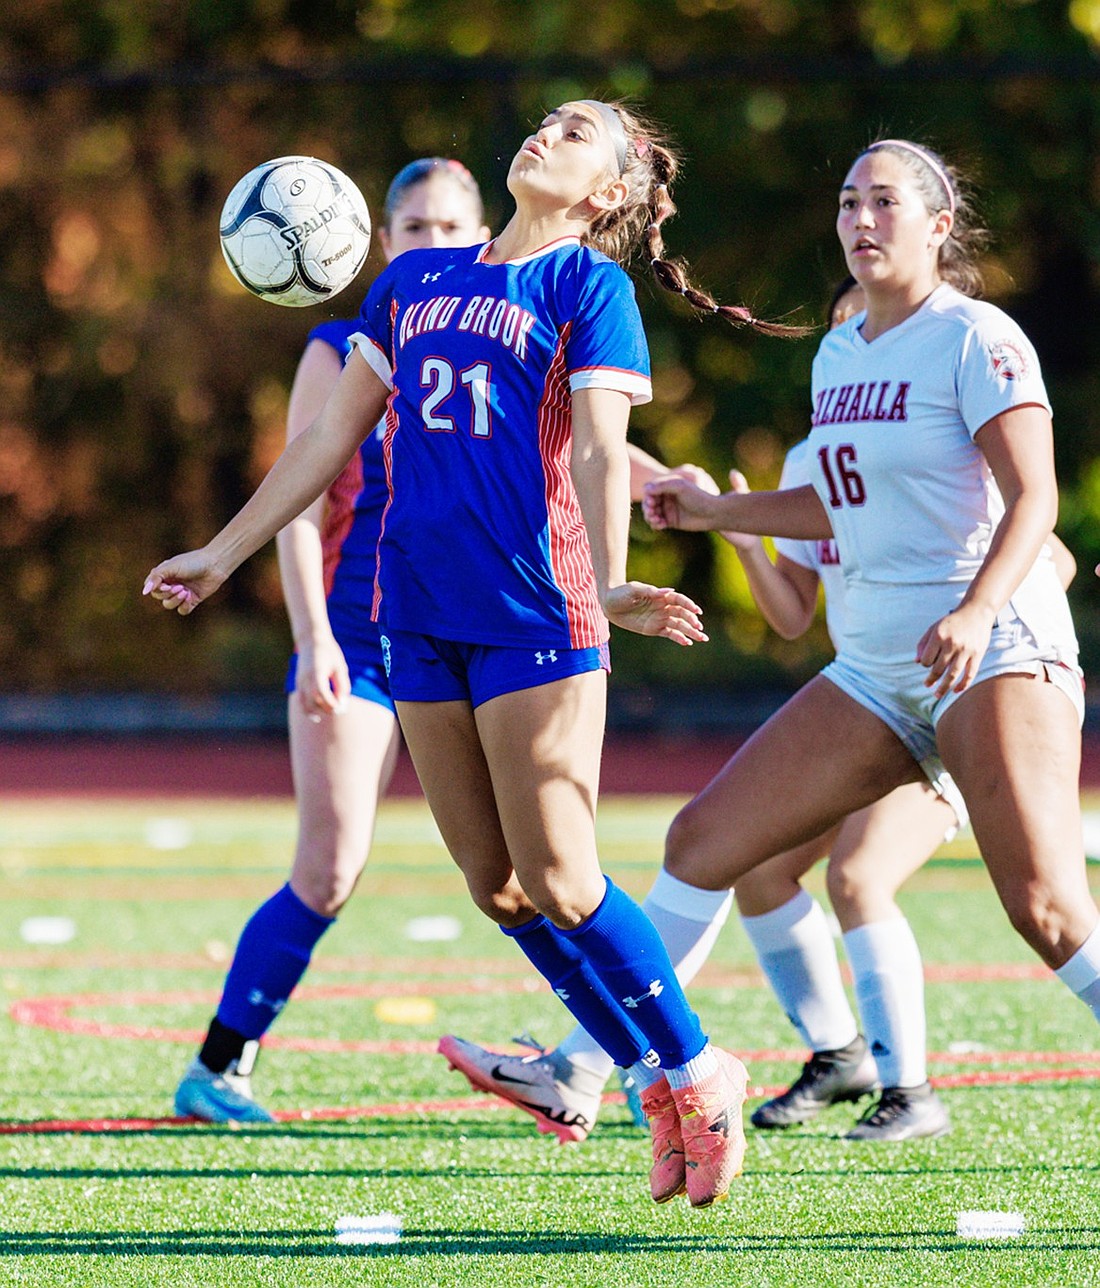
{"x":623,"y":947}
{"x":272,"y":955}
{"x":560,"y":963}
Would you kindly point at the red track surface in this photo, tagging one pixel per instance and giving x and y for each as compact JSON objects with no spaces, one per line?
{"x":232,"y":767}
{"x":237,"y":766}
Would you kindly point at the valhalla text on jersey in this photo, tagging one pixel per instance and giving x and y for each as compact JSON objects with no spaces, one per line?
{"x":878,"y":400}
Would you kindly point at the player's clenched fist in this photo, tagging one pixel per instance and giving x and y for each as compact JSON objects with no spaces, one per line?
{"x":183,"y":582}
{"x":673,"y":502}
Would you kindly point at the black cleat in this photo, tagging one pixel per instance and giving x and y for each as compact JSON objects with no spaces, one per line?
{"x":827,"y":1078}
{"x":903,"y":1113}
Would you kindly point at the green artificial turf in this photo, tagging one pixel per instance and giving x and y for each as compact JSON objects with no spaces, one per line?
{"x":158,"y":891}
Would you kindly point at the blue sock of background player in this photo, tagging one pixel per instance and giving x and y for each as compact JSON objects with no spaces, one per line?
{"x":342,"y":728}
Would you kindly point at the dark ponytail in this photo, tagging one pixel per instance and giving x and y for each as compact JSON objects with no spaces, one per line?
{"x":651,"y":166}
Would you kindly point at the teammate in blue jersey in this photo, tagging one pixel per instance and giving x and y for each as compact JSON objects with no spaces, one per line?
{"x":507,"y":374}
{"x":932,"y":463}
{"x":343,"y":731}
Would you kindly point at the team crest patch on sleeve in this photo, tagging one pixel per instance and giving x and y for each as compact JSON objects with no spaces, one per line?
{"x":1009,"y":360}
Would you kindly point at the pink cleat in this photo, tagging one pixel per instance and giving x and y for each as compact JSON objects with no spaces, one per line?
{"x":666,"y":1176}
{"x":713,"y":1134}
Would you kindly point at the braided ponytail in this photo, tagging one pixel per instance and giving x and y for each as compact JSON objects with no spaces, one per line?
{"x":651,"y":166}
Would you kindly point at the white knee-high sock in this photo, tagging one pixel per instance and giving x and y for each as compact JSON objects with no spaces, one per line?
{"x":688,"y":920}
{"x":796,"y":952}
{"x":889,"y":983}
{"x":1081,"y":974}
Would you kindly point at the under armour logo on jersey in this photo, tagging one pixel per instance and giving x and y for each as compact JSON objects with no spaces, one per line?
{"x":431,"y":277}
{"x":550,"y":656}
{"x":656,"y":988}
{"x":563,"y":993}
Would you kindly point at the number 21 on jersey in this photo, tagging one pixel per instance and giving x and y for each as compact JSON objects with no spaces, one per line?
{"x":441,"y":380}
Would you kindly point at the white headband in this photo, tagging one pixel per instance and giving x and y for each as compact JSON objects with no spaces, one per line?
{"x":614,"y":125}
{"x":928,"y":159}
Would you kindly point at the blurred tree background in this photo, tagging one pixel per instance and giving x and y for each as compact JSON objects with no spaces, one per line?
{"x":142,"y":393}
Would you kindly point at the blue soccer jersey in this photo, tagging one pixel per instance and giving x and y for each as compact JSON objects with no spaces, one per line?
{"x":483,"y":539}
{"x":353,"y":515}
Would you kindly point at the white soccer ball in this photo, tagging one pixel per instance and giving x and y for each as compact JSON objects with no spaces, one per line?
{"x":295,"y":231}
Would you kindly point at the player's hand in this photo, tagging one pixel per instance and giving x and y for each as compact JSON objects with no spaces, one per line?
{"x":697,"y":475}
{"x":183,"y":582}
{"x":674,"y":502}
{"x":740,"y":540}
{"x":653,"y":610}
{"x":321,"y":678}
{"x":953,"y":647}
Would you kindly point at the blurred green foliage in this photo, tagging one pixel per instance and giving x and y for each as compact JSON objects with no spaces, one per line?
{"x":142,"y":393}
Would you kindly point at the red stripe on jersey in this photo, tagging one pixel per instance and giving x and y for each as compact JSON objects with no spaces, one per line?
{"x":570,"y":553}
{"x":340,"y":500}
{"x":387,"y":460}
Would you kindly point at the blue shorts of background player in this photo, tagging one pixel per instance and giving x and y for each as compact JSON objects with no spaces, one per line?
{"x":366,"y":672}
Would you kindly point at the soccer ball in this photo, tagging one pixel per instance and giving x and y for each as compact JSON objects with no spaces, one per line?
{"x":295,"y":231}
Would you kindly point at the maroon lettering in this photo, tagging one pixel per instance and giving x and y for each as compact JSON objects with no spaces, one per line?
{"x":897,"y":411}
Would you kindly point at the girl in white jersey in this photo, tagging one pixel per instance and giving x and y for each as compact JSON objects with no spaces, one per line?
{"x":933,"y":466}
{"x":871,"y":854}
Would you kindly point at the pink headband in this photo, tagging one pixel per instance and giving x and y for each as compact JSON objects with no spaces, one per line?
{"x":928,"y":159}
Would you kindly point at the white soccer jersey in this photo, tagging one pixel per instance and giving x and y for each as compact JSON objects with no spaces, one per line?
{"x":911,"y":499}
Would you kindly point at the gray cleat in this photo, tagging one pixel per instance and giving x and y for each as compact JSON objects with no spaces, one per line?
{"x":903,"y":1113}
{"x":827,"y":1078}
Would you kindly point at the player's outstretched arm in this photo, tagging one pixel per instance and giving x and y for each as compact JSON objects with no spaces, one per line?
{"x":673,"y":502}
{"x":304,"y":470}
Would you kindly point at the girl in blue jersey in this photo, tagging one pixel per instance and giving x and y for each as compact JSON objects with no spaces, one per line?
{"x":343,"y":731}
{"x":506,"y":373}
{"x":932,"y":463}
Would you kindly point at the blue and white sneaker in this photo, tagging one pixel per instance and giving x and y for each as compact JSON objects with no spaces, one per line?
{"x":219,"y":1097}
{"x":633,"y":1098}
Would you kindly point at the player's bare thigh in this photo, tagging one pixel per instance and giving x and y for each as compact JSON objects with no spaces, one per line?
{"x":341,"y":764}
{"x":445,"y":747}
{"x":543,"y":747}
{"x":776,"y":881}
{"x":819,"y":758}
{"x":1013,"y":745}
{"x":880,"y":847}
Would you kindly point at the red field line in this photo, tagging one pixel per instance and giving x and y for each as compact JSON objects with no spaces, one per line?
{"x":323,"y":1114}
{"x":54,"y":1012}
{"x":468,"y":1104}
